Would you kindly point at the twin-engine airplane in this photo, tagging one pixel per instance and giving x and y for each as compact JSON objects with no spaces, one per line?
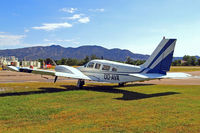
{"x":155,"y":67}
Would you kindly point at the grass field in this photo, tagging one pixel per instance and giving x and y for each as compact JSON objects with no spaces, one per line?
{"x":61,"y":107}
{"x":184,"y":68}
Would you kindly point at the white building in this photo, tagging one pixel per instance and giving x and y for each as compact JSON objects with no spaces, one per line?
{"x":10,"y":60}
{"x":35,"y":64}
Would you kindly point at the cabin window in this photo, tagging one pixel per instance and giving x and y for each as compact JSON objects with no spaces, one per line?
{"x":90,"y":65}
{"x":114,"y":69}
{"x":105,"y":67}
{"x":97,"y":66}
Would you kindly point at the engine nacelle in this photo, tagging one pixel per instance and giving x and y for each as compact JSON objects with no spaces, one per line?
{"x":63,"y":68}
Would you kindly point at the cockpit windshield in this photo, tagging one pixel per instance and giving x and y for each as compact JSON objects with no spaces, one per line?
{"x":90,"y":65}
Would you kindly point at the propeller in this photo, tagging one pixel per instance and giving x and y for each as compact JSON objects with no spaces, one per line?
{"x":56,"y":77}
{"x":54,"y":63}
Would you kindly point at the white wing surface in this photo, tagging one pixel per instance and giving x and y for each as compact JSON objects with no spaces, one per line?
{"x":60,"y":71}
{"x":169,"y":75}
{"x":177,"y":75}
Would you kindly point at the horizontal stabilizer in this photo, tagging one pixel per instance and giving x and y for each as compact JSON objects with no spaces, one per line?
{"x":147,"y":75}
{"x":177,"y":75}
{"x":160,"y":76}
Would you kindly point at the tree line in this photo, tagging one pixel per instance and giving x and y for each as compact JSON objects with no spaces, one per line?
{"x":69,"y":61}
{"x":186,"y":61}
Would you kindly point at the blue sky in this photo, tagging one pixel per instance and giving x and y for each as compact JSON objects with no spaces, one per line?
{"x":136,"y":25}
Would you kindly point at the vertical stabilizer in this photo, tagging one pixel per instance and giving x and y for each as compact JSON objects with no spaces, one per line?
{"x":161,"y":59}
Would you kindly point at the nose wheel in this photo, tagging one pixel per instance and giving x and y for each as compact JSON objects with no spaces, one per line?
{"x":80,"y":83}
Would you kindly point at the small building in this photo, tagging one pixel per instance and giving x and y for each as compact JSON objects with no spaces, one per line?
{"x":32,"y":64}
{"x":10,"y":60}
{"x":182,"y":61}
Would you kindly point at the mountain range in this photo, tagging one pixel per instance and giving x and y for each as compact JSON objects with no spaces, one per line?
{"x":57,"y":52}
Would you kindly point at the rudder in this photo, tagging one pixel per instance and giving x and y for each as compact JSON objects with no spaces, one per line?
{"x":161,"y":59}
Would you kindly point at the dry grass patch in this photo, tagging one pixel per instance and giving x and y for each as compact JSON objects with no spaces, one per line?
{"x":184,"y":68}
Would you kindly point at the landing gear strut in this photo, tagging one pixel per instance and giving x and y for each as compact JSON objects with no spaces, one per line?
{"x":80,"y":83}
{"x":121,"y":84}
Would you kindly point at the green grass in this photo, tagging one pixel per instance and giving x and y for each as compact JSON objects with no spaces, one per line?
{"x":61,"y":107}
{"x":184,"y":68}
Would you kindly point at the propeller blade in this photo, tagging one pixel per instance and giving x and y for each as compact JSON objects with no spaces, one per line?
{"x":55,"y":79}
{"x":54,"y":63}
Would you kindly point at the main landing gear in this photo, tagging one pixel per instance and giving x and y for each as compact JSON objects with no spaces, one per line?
{"x":121,"y":84}
{"x":80,"y":83}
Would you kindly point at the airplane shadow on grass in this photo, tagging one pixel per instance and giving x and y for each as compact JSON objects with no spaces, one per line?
{"x":127,"y":95}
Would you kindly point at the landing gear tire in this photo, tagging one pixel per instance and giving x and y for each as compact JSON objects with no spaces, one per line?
{"x":80,"y":83}
{"x":121,"y":84}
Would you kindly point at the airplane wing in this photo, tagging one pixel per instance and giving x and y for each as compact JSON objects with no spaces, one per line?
{"x":62,"y":71}
{"x":169,"y":75}
{"x":29,"y":70}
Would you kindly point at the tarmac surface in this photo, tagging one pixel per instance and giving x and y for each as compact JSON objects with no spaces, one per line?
{"x":16,"y":77}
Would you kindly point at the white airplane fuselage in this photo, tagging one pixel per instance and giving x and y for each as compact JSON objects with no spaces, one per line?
{"x":110,"y":71}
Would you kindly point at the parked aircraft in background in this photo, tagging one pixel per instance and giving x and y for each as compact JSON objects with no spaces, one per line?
{"x":155,"y":67}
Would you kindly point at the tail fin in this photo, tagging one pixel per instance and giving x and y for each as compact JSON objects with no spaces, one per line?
{"x":161,"y":59}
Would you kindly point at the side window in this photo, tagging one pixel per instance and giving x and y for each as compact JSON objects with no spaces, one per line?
{"x":114,"y":69}
{"x":105,"y":67}
{"x":97,"y":66}
{"x":90,"y":65}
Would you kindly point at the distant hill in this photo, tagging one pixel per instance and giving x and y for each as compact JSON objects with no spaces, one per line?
{"x":58,"y":52}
